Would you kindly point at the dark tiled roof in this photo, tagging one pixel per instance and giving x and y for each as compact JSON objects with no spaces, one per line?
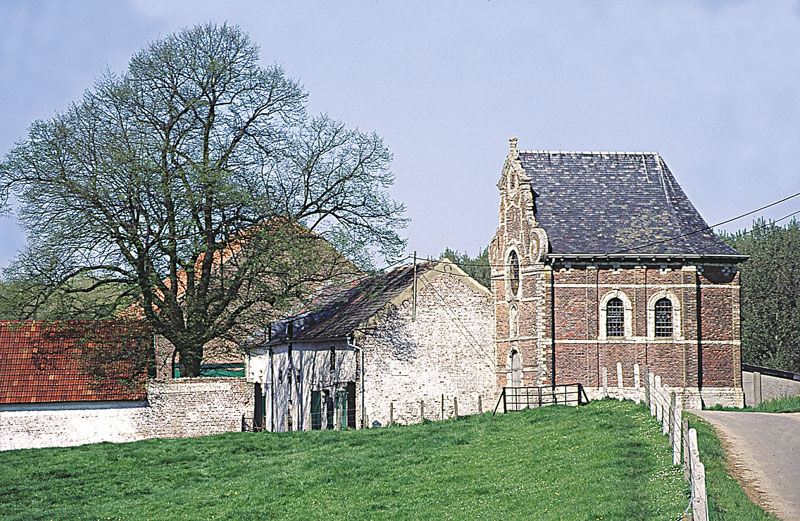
{"x":613,"y":203}
{"x":339,"y":310}
{"x":44,"y":362}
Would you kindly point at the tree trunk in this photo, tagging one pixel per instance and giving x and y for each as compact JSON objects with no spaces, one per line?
{"x":190,"y":362}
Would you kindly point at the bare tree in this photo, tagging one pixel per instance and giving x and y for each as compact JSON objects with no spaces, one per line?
{"x":196,"y":184}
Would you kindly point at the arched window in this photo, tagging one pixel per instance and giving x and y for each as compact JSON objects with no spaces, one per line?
{"x":513,"y":272}
{"x":615,"y":318}
{"x":663,"y":315}
{"x":516,"y":369}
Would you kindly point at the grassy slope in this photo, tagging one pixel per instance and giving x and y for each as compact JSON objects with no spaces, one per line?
{"x":607,"y":460}
{"x":780,"y":404}
{"x":727,"y":500}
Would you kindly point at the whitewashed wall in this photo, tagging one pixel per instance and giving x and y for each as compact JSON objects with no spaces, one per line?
{"x":178,"y":408}
{"x":448,"y":350}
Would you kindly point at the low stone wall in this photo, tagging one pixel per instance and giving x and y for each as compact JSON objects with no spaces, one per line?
{"x":771,"y":387}
{"x":178,"y":408}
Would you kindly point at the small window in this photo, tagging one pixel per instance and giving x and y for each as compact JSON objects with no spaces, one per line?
{"x":333,"y":360}
{"x":615,"y":318}
{"x":513,"y":274}
{"x":663,"y":324}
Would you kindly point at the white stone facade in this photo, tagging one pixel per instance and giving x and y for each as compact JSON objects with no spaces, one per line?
{"x":447,"y":350}
{"x":174,"y":409}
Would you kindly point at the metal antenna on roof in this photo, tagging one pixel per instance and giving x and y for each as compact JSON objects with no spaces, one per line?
{"x":414,"y":291}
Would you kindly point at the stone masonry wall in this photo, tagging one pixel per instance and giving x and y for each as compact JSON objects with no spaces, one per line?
{"x":448,"y":350}
{"x":174,"y":409}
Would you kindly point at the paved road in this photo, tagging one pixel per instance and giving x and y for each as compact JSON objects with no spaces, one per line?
{"x":764,"y":449}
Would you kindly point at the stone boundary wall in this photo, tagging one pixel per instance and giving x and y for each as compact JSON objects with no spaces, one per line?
{"x":178,"y":408}
{"x":771,"y":387}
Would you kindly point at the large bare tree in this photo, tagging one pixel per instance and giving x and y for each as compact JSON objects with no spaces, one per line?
{"x":196,"y":184}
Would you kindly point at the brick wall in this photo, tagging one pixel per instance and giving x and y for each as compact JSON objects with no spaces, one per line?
{"x":173,"y":409}
{"x":562,"y":311}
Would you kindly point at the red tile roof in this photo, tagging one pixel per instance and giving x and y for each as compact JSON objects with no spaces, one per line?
{"x":73,"y":361}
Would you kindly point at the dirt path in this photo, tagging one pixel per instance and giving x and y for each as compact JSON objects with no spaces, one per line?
{"x":764,"y":449}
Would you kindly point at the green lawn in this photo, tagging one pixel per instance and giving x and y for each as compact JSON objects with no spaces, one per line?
{"x":781,"y":404}
{"x":607,"y":460}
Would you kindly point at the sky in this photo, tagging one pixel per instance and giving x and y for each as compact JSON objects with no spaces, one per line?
{"x":713,"y":86}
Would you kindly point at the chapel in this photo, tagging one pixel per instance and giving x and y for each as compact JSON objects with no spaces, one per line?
{"x":600,"y":258}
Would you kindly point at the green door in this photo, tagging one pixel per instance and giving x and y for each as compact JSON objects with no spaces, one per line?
{"x":341,"y":405}
{"x":316,"y":410}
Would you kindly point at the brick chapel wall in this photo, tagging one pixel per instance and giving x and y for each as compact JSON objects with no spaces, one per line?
{"x":680,"y":360}
{"x":448,"y":350}
{"x":179,"y":408}
{"x":563,"y":302}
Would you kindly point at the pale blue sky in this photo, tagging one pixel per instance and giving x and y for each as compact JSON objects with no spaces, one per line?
{"x":713,"y":86}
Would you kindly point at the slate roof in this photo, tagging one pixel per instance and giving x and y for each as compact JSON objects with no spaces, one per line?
{"x":338,"y":311}
{"x":614,"y":203}
{"x":45,"y":362}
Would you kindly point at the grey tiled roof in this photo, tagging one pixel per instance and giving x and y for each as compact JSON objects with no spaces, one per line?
{"x":338,"y":311}
{"x":615,"y":203}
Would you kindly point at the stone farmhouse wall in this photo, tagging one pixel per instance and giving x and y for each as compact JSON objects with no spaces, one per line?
{"x":174,"y":409}
{"x":448,"y":350}
{"x":287,"y":386}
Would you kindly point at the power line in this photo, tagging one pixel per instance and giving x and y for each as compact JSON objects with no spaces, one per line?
{"x":654,"y":243}
{"x":709,"y":227}
{"x":457,"y":321}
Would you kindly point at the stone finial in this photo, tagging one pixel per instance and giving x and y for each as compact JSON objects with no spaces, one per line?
{"x":513,"y":145}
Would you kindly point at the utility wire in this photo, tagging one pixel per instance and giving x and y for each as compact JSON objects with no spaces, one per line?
{"x":457,"y":321}
{"x":726,"y":221}
{"x":654,"y":243}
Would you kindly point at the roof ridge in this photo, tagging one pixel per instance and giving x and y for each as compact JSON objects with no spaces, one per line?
{"x":591,"y":152}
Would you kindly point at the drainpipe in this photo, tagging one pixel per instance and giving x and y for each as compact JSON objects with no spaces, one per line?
{"x":351,"y":344}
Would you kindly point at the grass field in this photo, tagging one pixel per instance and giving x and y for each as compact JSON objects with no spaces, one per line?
{"x":604,"y":461}
{"x":781,"y":404}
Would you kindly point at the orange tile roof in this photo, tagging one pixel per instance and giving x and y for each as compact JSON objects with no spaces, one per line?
{"x":74,"y":361}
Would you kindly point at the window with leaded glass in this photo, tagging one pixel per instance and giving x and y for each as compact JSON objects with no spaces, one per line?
{"x":615,"y":318}
{"x":663,"y":318}
{"x":513,"y":276}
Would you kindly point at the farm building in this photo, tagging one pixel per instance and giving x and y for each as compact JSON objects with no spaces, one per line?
{"x":601,"y":258}
{"x":376,"y":347}
{"x":77,"y":382}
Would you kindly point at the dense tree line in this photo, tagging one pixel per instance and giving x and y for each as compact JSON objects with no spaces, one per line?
{"x":770,"y":293}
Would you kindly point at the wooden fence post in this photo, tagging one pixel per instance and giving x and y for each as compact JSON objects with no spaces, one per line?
{"x":651,"y":393}
{"x":421,"y":411}
{"x":455,"y":407}
{"x":685,"y":436}
{"x":698,"y":480}
{"x":442,"y":416}
{"x":636,"y":384}
{"x":605,"y":382}
{"x":619,"y":381}
{"x":675,"y":429}
{"x":480,"y":405}
{"x":391,"y":414}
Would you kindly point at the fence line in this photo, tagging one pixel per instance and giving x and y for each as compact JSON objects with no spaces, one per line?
{"x":667,"y":407}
